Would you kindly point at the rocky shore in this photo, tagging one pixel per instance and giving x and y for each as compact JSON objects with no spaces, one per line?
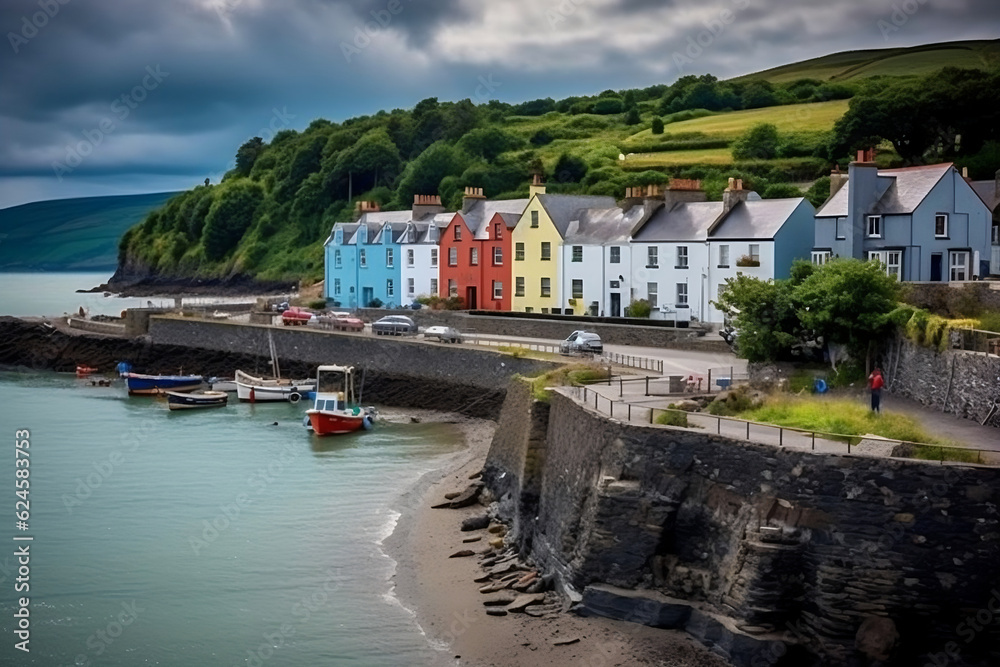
{"x":472,"y":592}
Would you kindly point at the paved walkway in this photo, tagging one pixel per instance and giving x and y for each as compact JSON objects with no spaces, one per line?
{"x":628,"y":402}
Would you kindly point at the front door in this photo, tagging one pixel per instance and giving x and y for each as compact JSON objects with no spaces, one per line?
{"x":616,"y":304}
{"x":367,"y":296}
{"x":936,"y":267}
{"x":470,"y":298}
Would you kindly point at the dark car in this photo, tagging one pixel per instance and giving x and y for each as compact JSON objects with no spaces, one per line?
{"x":394,"y":325}
{"x":581,"y":342}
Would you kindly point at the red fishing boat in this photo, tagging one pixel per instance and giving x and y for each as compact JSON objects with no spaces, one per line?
{"x":84,"y":371}
{"x":337,"y":409}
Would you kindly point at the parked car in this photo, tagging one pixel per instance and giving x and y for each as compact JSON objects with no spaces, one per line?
{"x":394,"y":325}
{"x":340,"y":321}
{"x":581,"y":342}
{"x":295,"y":316}
{"x":443,"y":334}
{"x":279,"y":307}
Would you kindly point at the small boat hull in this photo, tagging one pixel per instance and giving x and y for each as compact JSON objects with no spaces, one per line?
{"x":204,"y":399}
{"x":149,"y":385}
{"x":325,"y":422}
{"x":269,"y":393}
{"x":84,"y":371}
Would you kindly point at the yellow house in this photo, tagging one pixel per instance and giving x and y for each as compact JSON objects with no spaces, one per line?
{"x":537,"y":240}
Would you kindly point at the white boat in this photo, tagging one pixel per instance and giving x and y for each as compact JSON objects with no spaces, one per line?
{"x":255,"y":389}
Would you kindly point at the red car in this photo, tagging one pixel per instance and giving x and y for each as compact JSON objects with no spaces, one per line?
{"x":341,"y":322}
{"x":296,"y":316}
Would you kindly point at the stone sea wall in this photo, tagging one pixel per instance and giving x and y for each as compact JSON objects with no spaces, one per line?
{"x":765,"y":553}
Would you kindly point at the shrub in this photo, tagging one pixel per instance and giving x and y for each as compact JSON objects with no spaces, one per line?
{"x":317,"y":304}
{"x":639,"y":308}
{"x":989,"y":321}
{"x":375,"y":303}
{"x":759,"y":143}
{"x":657,"y":127}
{"x":607,"y":105}
{"x":746,"y":260}
{"x":733,"y":402}
{"x":673,"y":418}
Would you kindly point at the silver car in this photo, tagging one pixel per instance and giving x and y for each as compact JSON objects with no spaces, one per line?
{"x":443,"y":334}
{"x":394,"y":325}
{"x":581,"y":342}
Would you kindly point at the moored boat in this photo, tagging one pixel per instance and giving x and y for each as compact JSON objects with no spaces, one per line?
{"x":336,"y":409}
{"x":253,"y":389}
{"x":177,"y":400}
{"x":139,"y":383}
{"x":84,"y":371}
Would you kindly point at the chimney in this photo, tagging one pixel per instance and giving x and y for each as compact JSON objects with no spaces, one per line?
{"x":965,"y":174}
{"x":837,"y":180}
{"x":471,"y":196}
{"x":536,"y":187}
{"x":633,"y":197}
{"x":424,"y":205}
{"x":684,"y":190}
{"x":733,"y":194}
{"x":362,"y":207}
{"x":862,"y":195}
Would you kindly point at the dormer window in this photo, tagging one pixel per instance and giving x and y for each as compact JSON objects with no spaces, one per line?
{"x":941,"y":226}
{"x":875,"y":226}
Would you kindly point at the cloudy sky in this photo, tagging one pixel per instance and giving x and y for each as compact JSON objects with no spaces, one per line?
{"x":124,"y":96}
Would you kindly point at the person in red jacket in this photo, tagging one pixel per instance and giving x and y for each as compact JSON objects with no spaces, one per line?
{"x":875,"y":383}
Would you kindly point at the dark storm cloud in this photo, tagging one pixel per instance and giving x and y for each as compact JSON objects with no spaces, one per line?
{"x":236,"y":68}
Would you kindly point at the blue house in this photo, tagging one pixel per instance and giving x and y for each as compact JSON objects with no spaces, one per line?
{"x":363,"y":259}
{"x":923,"y":223}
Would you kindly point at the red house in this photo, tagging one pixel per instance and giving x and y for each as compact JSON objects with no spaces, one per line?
{"x":476,"y":251}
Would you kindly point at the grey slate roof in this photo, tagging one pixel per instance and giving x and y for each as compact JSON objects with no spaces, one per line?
{"x":562,"y":208}
{"x":988,"y":192}
{"x":756,"y":219}
{"x":684,"y":221}
{"x":483,"y":210}
{"x":907,"y":187}
{"x":599,"y":226}
{"x":348,"y":227}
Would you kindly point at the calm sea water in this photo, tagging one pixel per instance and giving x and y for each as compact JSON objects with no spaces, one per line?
{"x":51,"y":294}
{"x":211,"y":537}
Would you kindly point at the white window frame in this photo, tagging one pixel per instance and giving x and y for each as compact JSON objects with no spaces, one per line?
{"x":894,"y":263}
{"x":577,"y":253}
{"x":497,"y":255}
{"x":519,"y":286}
{"x":452,"y":287}
{"x":409,"y":256}
{"x":390,"y":288}
{"x":615,"y":255}
{"x":388,"y":258}
{"x":682,"y":295}
{"x":960,"y":270}
{"x":652,"y":257}
{"x":362,"y":257}
{"x":754,"y":252}
{"x":336,"y":286}
{"x":577,"y":293}
{"x":519,"y":252}
{"x":534,"y":219}
{"x":545,"y":288}
{"x":434,"y":286}
{"x":497,"y":290}
{"x":682,"y":257}
{"x":458,"y":232}
{"x":653,"y":295}
{"x":821,"y":257}
{"x":410,"y":286}
{"x":874,"y":226}
{"x":473,"y":256}
{"x":546,"y":251}
{"x":434,"y":256}
{"x":724,"y":256}
{"x":453,"y":256}
{"x":337,"y":261}
{"x":944,"y":218}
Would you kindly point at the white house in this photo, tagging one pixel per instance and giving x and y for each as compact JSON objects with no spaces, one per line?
{"x":420,"y":257}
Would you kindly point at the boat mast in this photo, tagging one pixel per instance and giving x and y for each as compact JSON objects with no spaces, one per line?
{"x":275,"y":369}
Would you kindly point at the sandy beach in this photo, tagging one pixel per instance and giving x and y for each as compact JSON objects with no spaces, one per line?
{"x":449,"y":606}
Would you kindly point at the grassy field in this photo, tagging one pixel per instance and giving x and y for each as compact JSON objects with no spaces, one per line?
{"x":915,"y":60}
{"x":816,"y":117}
{"x":712,"y":156}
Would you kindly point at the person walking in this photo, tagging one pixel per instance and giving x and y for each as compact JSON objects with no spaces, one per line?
{"x":875,"y":383}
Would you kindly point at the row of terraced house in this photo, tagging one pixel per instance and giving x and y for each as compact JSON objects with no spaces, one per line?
{"x":587,"y":254}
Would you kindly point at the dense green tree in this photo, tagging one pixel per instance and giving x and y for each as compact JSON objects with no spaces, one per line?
{"x":534,"y":107}
{"x":657,"y":127}
{"x":632,"y":117}
{"x":423,"y":175}
{"x":542,"y":137}
{"x":759,"y":94}
{"x":780,"y":191}
{"x":759,"y":143}
{"x":569,"y":169}
{"x":819,"y":192}
{"x":489,"y":142}
{"x":607,"y":105}
{"x":230,"y":215}
{"x":247,"y":155}
{"x":373,"y":159}
{"x":764,"y":313}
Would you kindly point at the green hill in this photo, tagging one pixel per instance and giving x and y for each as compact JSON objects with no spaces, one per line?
{"x":906,"y":61}
{"x":70,"y":234}
{"x":269,"y":216}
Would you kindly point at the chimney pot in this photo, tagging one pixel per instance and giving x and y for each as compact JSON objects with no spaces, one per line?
{"x":732,"y":181}
{"x":739,"y":183}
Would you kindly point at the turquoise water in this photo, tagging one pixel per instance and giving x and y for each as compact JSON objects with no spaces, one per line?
{"x":51,"y":294}
{"x":208,"y":537}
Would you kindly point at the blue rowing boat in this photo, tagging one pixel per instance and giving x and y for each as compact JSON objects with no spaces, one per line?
{"x":138,"y":383}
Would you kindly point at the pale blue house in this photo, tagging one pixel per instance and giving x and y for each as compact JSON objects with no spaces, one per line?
{"x":923,"y":223}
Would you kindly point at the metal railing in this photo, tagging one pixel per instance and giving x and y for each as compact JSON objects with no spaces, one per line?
{"x":678,"y":385}
{"x":633,"y":361}
{"x":475,"y":339}
{"x":744,"y":428}
{"x":978,"y":340}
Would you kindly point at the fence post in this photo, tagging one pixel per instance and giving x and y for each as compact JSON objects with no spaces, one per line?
{"x":629,"y":411}
{"x":781,"y":437}
{"x":595,"y":399}
{"x":612,"y":407}
{"x":748,"y":430}
{"x":621,"y":386}
{"x":814,"y":440}
{"x":647,"y":385}
{"x":718,"y":425}
{"x":709,"y":389}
